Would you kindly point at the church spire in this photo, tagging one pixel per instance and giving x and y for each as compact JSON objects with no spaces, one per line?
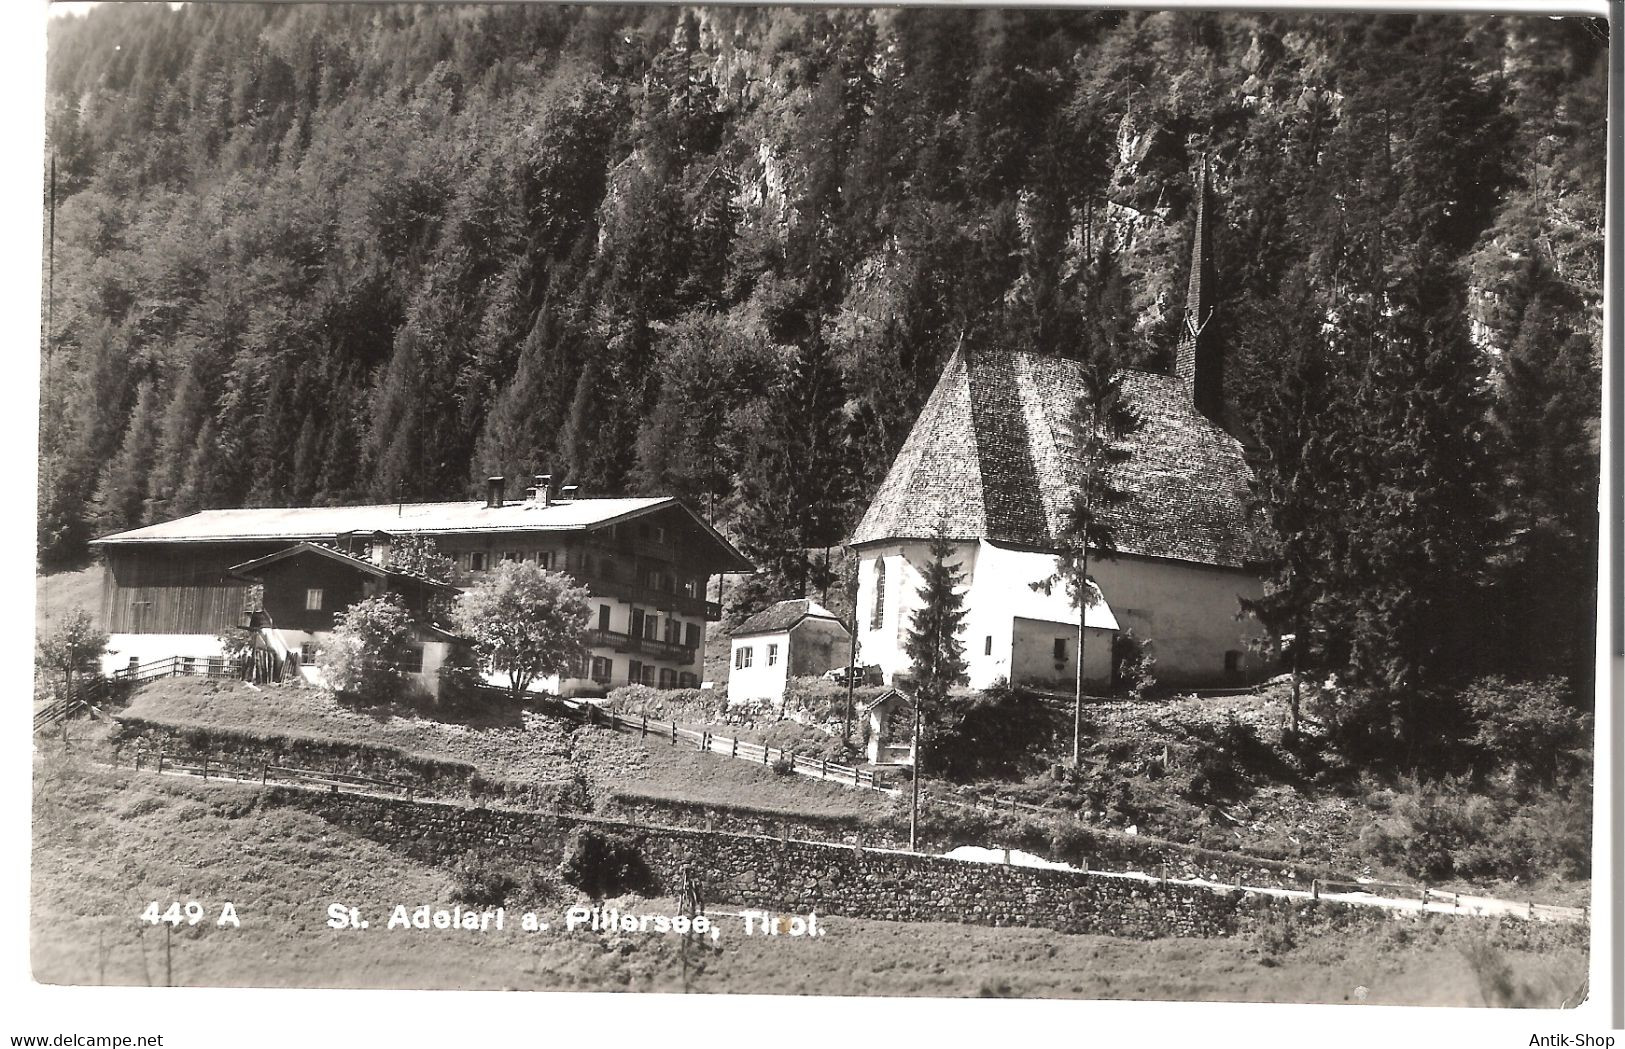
{"x":1199,"y":362}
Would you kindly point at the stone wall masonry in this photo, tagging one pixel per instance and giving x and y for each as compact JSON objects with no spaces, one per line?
{"x":788,"y":875}
{"x":424,"y":773}
{"x":1102,"y":849}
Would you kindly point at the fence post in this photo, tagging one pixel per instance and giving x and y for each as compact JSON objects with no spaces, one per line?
{"x":733,"y":749}
{"x":265,"y":770}
{"x":1314,"y":889}
{"x":160,"y":763}
{"x":205,"y":766}
{"x":674,"y":733}
{"x":705,"y":739}
{"x":645,"y":724}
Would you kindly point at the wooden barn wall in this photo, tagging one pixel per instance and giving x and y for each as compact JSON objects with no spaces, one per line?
{"x":175,"y":588}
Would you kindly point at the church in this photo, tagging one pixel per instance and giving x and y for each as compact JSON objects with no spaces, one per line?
{"x":988,"y":459}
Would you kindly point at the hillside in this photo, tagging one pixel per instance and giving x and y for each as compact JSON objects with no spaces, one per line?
{"x":529,"y":744}
{"x":334,"y":253}
{"x":106,"y":845}
{"x":58,"y":593}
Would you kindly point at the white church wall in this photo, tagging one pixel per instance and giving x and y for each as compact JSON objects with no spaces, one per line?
{"x":1189,"y":612}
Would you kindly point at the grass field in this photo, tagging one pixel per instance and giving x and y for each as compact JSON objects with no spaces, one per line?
{"x":526,"y":744}
{"x":107,"y":844}
{"x":58,"y":593}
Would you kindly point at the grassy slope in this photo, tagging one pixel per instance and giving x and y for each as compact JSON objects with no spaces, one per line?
{"x":57,"y":593}
{"x":524,"y":745}
{"x":107,"y":844}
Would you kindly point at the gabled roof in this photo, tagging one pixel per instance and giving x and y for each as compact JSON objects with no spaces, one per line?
{"x":988,"y":457}
{"x":251,"y":568}
{"x":784,"y":616}
{"x":325,"y":523}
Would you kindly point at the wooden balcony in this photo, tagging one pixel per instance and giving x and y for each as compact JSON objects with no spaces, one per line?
{"x":673,"y":652}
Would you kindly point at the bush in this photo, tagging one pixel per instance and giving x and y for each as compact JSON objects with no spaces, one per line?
{"x":1442,"y":830}
{"x":602,"y":865}
{"x":1001,"y":732}
{"x":1528,"y":728}
{"x":479,"y":882}
{"x":1132,"y":664}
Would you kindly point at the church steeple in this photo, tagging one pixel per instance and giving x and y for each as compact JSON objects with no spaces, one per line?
{"x":1199,"y":361}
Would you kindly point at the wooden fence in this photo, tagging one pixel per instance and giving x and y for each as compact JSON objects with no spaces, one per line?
{"x":714,"y":743}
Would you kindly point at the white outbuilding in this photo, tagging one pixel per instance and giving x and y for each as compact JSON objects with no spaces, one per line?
{"x":797,"y":638}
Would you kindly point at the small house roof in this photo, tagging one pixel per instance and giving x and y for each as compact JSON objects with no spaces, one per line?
{"x":988,"y":457}
{"x":779,"y":618}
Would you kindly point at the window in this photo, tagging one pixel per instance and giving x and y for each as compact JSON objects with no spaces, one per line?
{"x":660,"y":534}
{"x":651,"y":627}
{"x":742,"y":657}
{"x":476,"y":561}
{"x":1232,"y":663}
{"x":668,"y":678}
{"x":545,"y":559}
{"x":636,"y":629}
{"x":648,"y":674}
{"x":687,"y":680}
{"x":603,"y":669}
{"x":313,"y":599}
{"x":634,"y":671}
{"x":603,"y":617}
{"x":412,"y":661}
{"x":691,"y":635}
{"x":1060,"y":650}
{"x":307,"y":654}
{"x":877,"y":615}
{"x":674,"y":631}
{"x":510,"y":555}
{"x":773,"y":655}
{"x":987,"y":646}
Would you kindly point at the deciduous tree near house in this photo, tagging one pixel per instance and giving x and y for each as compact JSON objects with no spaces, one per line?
{"x":524,"y":622}
{"x":362,"y":657}
{"x":73,"y":648}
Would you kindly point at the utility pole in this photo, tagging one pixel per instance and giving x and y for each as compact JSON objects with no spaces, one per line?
{"x":852,"y":657}
{"x":914,"y":800}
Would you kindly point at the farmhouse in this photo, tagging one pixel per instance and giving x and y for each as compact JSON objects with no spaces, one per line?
{"x":989,"y":459}
{"x":282,"y":572}
{"x":790,"y":639}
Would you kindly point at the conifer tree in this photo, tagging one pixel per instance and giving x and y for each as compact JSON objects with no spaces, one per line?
{"x":123,"y":488}
{"x":936,"y":654}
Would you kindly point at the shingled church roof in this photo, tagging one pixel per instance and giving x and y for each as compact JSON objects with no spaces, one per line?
{"x":988,"y":457}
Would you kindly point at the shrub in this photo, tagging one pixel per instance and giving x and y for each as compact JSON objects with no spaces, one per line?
{"x":602,"y":865}
{"x":479,"y":882}
{"x":1528,"y":728}
{"x":1133,"y":663}
{"x":1000,"y":732}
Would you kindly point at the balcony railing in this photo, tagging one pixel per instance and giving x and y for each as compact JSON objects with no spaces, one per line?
{"x":675,"y":652}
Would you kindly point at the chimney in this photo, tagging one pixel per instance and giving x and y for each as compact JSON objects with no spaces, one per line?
{"x":1199,"y":361}
{"x":493,"y":492}
{"x":380,"y":549}
{"x":544,"y":489}
{"x":568,"y":492}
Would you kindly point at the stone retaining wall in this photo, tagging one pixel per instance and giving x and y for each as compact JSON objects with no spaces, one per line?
{"x":799,"y":876}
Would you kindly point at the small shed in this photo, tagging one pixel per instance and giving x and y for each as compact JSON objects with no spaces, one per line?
{"x":797,"y":638}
